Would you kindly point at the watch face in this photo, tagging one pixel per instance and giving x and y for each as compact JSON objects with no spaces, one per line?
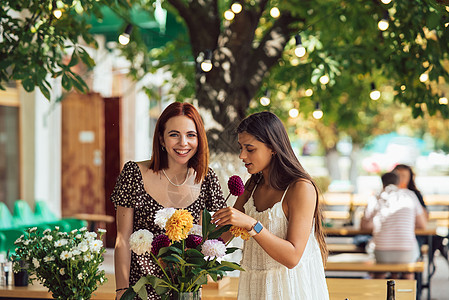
{"x":258,"y":227}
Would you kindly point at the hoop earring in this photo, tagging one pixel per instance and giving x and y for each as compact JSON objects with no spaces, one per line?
{"x":163,"y":148}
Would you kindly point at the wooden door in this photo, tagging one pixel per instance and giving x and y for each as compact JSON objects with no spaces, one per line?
{"x":83,"y":147}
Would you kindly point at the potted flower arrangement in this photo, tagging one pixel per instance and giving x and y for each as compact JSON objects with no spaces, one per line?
{"x":186,"y":253}
{"x":66,"y":263}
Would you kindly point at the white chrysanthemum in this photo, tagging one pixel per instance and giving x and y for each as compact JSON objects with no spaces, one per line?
{"x":36,"y":262}
{"x":48,"y":237}
{"x":140,"y":241}
{"x":213,"y":248}
{"x":80,"y":276}
{"x":95,"y":245}
{"x":88,"y":257}
{"x":83,"y":228}
{"x":196,"y":230}
{"x":47,"y":231}
{"x":49,"y":258}
{"x":26,"y":243}
{"x":62,"y":271}
{"x":163,"y":215}
{"x":101,"y":230}
{"x":57,"y":227}
{"x":83,"y":247}
{"x":33,"y":229}
{"x":65,"y":255}
{"x":19,"y":240}
{"x":78,"y":236}
{"x":62,"y":233}
{"x":60,"y":243}
{"x":76,"y":252}
{"x":90,"y":235}
{"x":74,"y":231}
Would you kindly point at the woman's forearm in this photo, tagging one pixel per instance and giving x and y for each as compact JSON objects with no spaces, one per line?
{"x":122,"y":263}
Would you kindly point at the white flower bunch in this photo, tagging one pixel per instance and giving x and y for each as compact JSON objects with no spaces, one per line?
{"x":213,"y":248}
{"x":75,"y":256}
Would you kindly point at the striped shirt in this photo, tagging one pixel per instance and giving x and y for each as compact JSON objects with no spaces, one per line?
{"x":394,"y":213}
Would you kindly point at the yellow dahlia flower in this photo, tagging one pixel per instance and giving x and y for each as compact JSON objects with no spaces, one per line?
{"x":240,"y":232}
{"x":179,"y":225}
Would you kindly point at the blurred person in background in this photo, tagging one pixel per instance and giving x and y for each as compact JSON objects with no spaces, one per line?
{"x":393,"y":216}
{"x":407,"y":181}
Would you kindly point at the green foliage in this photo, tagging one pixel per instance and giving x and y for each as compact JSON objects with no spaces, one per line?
{"x":35,"y":45}
{"x":66,"y":263}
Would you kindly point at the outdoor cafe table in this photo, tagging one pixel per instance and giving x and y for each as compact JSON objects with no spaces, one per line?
{"x":339,"y":289}
{"x":430,"y":232}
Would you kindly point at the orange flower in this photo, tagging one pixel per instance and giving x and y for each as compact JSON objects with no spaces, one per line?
{"x":179,"y":225}
{"x":240,"y":232}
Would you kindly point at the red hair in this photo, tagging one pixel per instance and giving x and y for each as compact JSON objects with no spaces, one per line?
{"x":200,"y":161}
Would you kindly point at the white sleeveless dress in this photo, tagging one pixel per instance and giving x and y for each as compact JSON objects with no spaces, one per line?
{"x":265,"y":278}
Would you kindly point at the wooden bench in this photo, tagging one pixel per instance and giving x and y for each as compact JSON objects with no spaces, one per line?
{"x":364,"y":263}
{"x":344,"y":248}
{"x":359,"y":262}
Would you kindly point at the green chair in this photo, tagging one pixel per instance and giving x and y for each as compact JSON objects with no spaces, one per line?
{"x":23,"y":215}
{"x":43,"y":214}
{"x":6,"y":219}
{"x":8,"y":237}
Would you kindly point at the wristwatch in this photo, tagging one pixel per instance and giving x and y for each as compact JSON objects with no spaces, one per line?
{"x":256,"y":229}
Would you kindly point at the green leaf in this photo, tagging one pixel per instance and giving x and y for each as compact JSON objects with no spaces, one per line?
{"x":194,"y":253}
{"x":129,"y":294}
{"x":28,"y":84}
{"x":45,"y":91}
{"x":218,"y":232}
{"x":205,"y":221}
{"x":175,"y":249}
{"x":159,"y":285}
{"x":231,"y":250}
{"x":232,"y":265}
{"x":74,"y":60}
{"x":66,"y":82}
{"x":85,"y":57}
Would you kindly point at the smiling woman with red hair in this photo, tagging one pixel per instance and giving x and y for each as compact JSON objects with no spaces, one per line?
{"x":178,"y":176}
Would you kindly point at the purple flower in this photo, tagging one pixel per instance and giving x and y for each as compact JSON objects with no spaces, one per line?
{"x":159,"y":242}
{"x":235,"y":185}
{"x":193,"y":241}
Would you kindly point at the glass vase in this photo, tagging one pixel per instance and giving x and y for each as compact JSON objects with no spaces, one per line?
{"x":186,"y":295}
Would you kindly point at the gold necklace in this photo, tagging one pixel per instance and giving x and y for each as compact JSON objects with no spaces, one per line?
{"x":185,"y":180}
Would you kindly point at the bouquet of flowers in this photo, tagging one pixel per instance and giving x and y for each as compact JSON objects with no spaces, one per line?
{"x":66,"y":263}
{"x":186,"y":254}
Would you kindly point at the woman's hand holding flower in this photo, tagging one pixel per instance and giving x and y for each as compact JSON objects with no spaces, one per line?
{"x":232,"y":216}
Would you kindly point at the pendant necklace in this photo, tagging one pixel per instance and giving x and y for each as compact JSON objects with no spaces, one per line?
{"x":185,"y":180}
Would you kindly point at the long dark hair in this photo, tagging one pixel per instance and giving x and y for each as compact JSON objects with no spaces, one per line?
{"x":285,"y":167}
{"x":200,"y":161}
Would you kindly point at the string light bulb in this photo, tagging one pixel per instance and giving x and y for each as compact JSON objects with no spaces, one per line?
{"x":206,"y":64}
{"x":443,"y":100}
{"x":374,"y":94}
{"x":293,"y":113}
{"x":57,"y":13}
{"x":124,"y":38}
{"x":300,"y":51}
{"x":265,"y":99}
{"x":275,"y":12}
{"x":424,"y":77}
{"x":317,"y":113}
{"x":384,"y":23}
{"x":386,"y":1}
{"x":236,"y":7}
{"x":324,"y":79}
{"x":308,"y":92}
{"x":229,"y":15}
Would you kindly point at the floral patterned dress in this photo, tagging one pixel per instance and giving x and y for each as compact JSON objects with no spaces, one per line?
{"x":129,"y":191}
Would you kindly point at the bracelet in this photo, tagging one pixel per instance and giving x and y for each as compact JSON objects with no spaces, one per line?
{"x":121,"y":289}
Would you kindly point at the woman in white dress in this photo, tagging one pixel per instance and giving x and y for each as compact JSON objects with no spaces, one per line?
{"x":284,"y":258}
